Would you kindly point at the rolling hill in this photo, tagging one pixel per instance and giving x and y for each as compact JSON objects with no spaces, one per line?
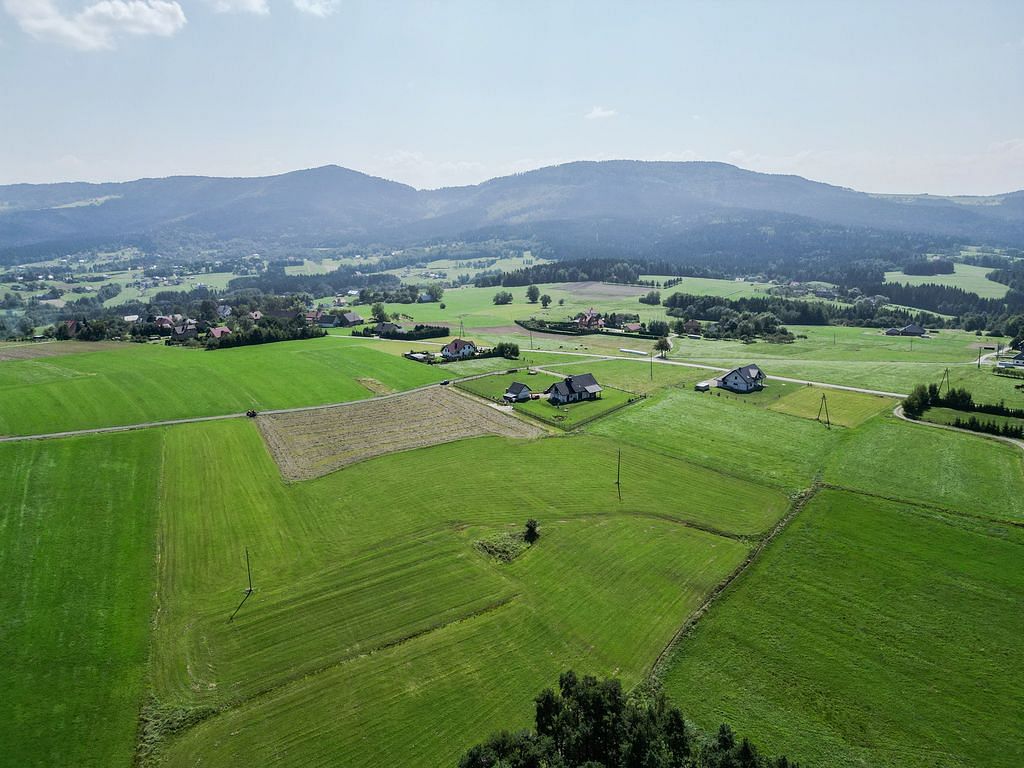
{"x":333,"y":203}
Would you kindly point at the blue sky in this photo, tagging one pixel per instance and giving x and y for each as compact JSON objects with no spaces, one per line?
{"x":887,"y":97}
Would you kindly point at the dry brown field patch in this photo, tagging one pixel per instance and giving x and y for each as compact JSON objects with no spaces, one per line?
{"x":308,"y":444}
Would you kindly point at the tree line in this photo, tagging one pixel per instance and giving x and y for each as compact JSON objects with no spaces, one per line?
{"x":591,"y":723}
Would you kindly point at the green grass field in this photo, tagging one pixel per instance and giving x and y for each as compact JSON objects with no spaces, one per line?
{"x":388,"y":578}
{"x":967,"y":276}
{"x":139,"y":383}
{"x":847,"y":409}
{"x":729,"y":435}
{"x":78,"y":519}
{"x":878,"y":629}
{"x":871,"y":633}
{"x":917,"y":463}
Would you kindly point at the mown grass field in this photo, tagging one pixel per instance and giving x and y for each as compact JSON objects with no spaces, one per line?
{"x":871,"y":633}
{"x":969,"y":277}
{"x":355,"y":576}
{"x":846,"y":409}
{"x":77,"y":537}
{"x":732,"y":436}
{"x":917,"y":463}
{"x":138,"y":383}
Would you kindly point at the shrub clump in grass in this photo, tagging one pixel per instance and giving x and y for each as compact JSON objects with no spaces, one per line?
{"x":504,"y":547}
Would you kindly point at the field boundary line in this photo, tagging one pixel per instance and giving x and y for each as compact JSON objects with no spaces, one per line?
{"x":223,"y":416}
{"x":924,"y":505}
{"x":800,"y":501}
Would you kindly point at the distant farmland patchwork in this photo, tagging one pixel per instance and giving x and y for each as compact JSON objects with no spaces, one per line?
{"x":379,"y":634}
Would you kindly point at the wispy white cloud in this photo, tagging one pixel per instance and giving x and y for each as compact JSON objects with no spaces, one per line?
{"x":600,"y":113}
{"x":321,"y":8}
{"x":98,"y":25}
{"x":258,"y":7}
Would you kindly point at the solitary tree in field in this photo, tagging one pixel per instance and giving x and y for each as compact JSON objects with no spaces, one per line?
{"x":532,"y":531}
{"x":545,"y":300}
{"x":503,"y":297}
{"x":662,"y":346}
{"x":532,"y":294}
{"x":378,"y":313}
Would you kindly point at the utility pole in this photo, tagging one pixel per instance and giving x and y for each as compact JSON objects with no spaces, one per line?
{"x":618,"y":475}
{"x":824,"y":406}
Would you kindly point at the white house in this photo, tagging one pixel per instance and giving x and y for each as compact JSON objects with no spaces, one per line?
{"x":748,"y":378}
{"x":458,"y":349}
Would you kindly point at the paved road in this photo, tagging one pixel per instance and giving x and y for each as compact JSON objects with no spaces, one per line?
{"x":200,"y":419}
{"x":898,"y":413}
{"x":593,"y":356}
{"x":701,"y":366}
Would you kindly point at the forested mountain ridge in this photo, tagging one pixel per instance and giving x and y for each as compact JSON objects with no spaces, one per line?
{"x":337,"y":205}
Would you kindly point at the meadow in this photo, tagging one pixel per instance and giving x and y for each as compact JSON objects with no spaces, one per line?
{"x":871,"y":633}
{"x":138,"y":383}
{"x":76,"y":559}
{"x":967,"y":276}
{"x":353,"y":576}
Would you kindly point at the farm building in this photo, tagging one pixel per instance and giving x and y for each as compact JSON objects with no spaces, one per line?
{"x":185,"y":331}
{"x":384,"y":329}
{"x":349,"y":319}
{"x":748,"y":378}
{"x":458,"y":349}
{"x":220,"y":331}
{"x":574,"y":389}
{"x":224,"y":311}
{"x":908,"y":330}
{"x":329,"y":321}
{"x":255,"y":315}
{"x":517,"y":392}
{"x":631,"y":327}
{"x":692,"y":327}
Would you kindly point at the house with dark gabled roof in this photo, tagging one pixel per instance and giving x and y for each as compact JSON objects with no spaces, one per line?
{"x":748,"y":378}
{"x":517,"y":392}
{"x":574,"y":389}
{"x":348,"y":319}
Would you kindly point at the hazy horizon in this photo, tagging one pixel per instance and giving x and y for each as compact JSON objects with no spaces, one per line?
{"x":491,"y":178}
{"x":922,"y":97}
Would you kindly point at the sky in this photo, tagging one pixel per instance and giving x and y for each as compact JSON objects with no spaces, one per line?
{"x":904,"y":97}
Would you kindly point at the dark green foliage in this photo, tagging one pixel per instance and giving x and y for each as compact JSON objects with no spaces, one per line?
{"x":929,"y":267}
{"x":504,"y":547}
{"x":532,"y":294}
{"x":532,"y":531}
{"x":657,"y":328}
{"x":651,"y":297}
{"x":265,"y":332}
{"x":502,"y":297}
{"x":545,"y":301}
{"x":591,"y":723}
{"x":507,"y":349}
